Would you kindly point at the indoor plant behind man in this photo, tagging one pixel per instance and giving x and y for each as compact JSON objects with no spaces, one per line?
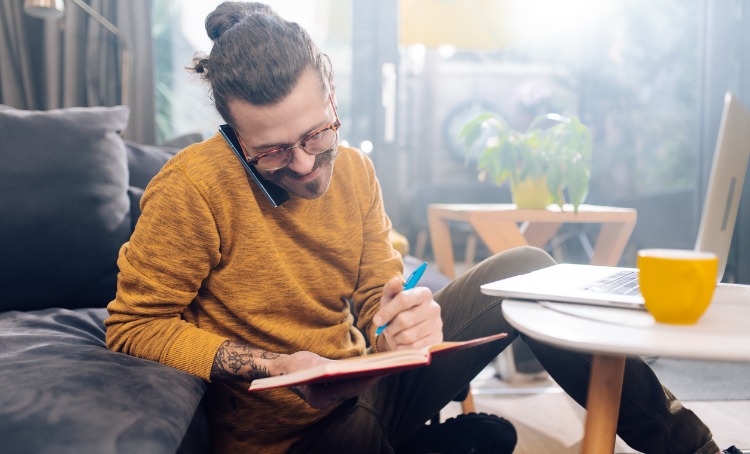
{"x":219,"y":283}
{"x":553,"y":155}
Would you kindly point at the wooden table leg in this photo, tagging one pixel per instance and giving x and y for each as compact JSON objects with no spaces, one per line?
{"x":467,"y":406}
{"x":498,"y":235}
{"x":442,"y":247}
{"x":603,"y":404}
{"x":613,"y":237}
{"x":539,"y":233}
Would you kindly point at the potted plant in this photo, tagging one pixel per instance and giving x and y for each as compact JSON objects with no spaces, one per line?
{"x":542,"y":164}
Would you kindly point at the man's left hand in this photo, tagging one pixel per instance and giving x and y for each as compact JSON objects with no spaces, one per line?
{"x":324,"y":396}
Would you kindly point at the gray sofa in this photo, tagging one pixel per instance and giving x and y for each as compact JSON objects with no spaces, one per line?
{"x":69,"y":192}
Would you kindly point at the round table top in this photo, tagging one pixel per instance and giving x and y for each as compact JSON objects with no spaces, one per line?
{"x":722,"y":334}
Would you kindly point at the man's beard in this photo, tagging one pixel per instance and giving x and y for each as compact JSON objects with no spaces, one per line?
{"x":312,"y":189}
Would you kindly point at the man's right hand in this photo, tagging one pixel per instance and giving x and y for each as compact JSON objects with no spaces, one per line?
{"x":413,"y":318}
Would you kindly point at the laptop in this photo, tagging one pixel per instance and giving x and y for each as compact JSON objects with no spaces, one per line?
{"x":618,"y":286}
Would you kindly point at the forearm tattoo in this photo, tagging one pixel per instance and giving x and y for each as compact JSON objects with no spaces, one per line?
{"x":239,"y":361}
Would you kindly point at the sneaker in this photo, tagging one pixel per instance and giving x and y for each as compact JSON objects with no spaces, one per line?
{"x":733,"y":450}
{"x":474,"y":433}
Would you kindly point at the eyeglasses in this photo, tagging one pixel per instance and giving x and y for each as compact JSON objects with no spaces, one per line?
{"x":315,"y":143}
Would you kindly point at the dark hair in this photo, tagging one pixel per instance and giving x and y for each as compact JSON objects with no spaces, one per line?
{"x":257,"y":56}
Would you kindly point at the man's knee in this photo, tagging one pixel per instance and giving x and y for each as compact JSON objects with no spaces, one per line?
{"x":519,"y":260}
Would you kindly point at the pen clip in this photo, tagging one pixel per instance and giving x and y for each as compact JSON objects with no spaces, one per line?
{"x":415,"y":276}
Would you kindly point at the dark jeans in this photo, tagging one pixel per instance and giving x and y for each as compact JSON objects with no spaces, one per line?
{"x":651,"y":420}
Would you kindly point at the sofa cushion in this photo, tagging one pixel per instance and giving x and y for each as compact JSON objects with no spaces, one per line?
{"x":62,"y":391}
{"x":145,"y":161}
{"x":64,"y":207}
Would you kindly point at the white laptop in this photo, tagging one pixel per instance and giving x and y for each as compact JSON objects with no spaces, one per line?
{"x":617,"y":286}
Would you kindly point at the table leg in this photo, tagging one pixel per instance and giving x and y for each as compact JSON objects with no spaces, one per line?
{"x":442,"y":248}
{"x":498,"y":235}
{"x":613,"y":237}
{"x":467,"y":406}
{"x":603,"y":404}
{"x":539,"y":234}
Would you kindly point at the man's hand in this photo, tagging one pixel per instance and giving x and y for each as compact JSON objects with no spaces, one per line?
{"x":328,"y":395}
{"x":322,"y":396}
{"x":239,"y":361}
{"x":413,"y":318}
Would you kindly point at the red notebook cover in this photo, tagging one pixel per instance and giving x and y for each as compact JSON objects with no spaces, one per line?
{"x":367,"y":366}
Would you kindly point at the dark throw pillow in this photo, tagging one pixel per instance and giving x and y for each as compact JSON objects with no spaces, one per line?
{"x":64,"y":206}
{"x":145,"y":161}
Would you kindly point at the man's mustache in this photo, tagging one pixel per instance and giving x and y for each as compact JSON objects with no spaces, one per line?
{"x":322,"y":158}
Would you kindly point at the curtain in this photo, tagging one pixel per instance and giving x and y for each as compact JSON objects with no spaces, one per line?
{"x":76,"y":62}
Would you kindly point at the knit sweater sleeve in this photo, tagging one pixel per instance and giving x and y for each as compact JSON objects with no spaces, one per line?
{"x":380,"y":262}
{"x":173,"y":248}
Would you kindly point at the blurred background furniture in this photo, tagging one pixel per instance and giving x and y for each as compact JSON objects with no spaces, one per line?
{"x":414,"y":214}
{"x":502,"y":226}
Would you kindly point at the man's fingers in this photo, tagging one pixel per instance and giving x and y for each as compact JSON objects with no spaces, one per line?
{"x":390,"y":291}
{"x":392,"y":288}
{"x":428,"y":330}
{"x":404,"y":301}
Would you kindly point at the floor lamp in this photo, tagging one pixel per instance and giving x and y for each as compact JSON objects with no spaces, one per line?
{"x":53,"y":9}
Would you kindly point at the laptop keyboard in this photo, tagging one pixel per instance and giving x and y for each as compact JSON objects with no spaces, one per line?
{"x":619,"y":283}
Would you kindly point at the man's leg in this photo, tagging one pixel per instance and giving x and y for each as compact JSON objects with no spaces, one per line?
{"x":467,"y":314}
{"x":398,"y":405}
{"x":651,"y":420}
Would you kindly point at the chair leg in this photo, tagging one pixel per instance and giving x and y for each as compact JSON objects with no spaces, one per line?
{"x":421,"y":243}
{"x":471,"y":250}
{"x":467,"y":405}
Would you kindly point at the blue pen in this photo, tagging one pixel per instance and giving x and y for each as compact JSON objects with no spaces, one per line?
{"x":410,"y":283}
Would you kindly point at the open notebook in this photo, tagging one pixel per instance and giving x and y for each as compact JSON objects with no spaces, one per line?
{"x":616,"y":286}
{"x":372,"y":365}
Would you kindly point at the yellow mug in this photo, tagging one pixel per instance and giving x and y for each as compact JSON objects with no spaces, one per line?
{"x":677,"y":284}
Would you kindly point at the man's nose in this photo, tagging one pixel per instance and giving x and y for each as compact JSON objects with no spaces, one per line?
{"x":302,"y":162}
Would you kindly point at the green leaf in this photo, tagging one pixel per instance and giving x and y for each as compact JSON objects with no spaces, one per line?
{"x":561,"y":151}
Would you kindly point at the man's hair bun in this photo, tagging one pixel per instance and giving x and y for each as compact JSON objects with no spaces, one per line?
{"x":229,"y":14}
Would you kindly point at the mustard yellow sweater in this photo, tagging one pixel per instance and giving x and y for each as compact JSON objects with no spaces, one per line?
{"x":211,"y":259}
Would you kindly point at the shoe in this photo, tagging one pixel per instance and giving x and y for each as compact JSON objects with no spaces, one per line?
{"x":734,"y":450}
{"x":474,"y":433}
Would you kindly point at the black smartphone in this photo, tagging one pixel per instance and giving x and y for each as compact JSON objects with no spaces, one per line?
{"x":274,"y":193}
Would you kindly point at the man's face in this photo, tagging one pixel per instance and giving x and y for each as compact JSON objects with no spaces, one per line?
{"x":264,"y":128}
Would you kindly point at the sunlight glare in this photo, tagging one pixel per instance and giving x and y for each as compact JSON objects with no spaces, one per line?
{"x":539,"y":21}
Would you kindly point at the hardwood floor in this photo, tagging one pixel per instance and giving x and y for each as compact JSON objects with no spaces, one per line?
{"x":548,"y":421}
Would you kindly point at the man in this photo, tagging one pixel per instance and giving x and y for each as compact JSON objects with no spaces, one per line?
{"x":217,"y":282}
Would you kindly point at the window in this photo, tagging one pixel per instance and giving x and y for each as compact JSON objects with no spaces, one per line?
{"x":629,"y":69}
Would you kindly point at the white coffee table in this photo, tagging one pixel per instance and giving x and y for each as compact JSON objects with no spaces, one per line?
{"x":722,"y":334}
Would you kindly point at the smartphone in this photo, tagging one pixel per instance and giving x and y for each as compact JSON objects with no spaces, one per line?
{"x":274,"y":193}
